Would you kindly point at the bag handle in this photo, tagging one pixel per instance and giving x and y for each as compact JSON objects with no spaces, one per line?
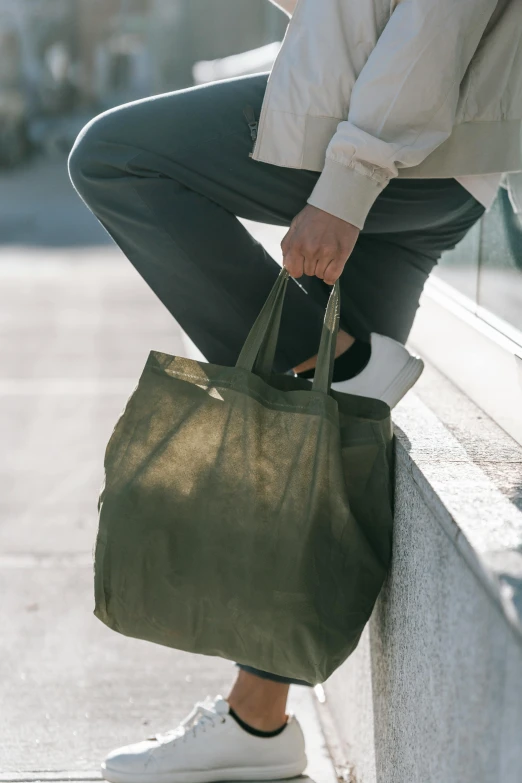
{"x":258,"y":352}
{"x":325,"y":359}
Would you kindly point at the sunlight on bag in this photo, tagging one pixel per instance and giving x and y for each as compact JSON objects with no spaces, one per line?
{"x":246,"y":514}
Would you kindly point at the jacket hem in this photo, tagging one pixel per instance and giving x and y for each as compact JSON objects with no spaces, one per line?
{"x":473,"y":147}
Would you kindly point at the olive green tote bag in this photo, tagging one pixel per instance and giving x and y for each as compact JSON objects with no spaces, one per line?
{"x":247,"y":514}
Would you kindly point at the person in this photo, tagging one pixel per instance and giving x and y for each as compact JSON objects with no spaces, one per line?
{"x":379,"y":139}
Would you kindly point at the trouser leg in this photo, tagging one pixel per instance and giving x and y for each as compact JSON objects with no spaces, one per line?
{"x":167,"y":177}
{"x":409,"y":227}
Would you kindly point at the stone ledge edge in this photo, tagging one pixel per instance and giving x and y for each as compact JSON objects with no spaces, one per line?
{"x":485,"y":574}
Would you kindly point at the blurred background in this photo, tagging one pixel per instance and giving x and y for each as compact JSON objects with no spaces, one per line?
{"x":62,"y":58}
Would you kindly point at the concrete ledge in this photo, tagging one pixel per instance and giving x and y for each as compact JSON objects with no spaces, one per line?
{"x":434,"y":692}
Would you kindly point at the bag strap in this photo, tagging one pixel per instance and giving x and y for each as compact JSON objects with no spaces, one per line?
{"x":258,"y":352}
{"x":325,"y":359}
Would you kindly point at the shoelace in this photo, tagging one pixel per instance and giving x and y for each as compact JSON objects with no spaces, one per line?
{"x":202,"y":715}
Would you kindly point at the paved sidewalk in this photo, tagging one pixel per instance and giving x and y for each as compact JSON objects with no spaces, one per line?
{"x":76,"y":325}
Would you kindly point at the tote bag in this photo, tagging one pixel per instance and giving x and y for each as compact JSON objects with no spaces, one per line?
{"x":247,"y":514}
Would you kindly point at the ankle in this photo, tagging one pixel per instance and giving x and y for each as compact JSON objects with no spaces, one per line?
{"x":259,"y":702}
{"x":344,"y":342}
{"x":352,"y":362}
{"x":260,"y":725}
{"x":266,"y":721}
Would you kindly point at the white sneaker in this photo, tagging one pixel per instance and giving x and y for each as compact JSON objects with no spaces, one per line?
{"x":389,"y":374}
{"x":209,"y":745}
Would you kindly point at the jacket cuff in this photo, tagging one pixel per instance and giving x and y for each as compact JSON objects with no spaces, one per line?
{"x":345,"y":193}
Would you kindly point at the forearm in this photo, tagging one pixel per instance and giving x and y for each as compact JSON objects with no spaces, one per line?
{"x":288,"y":6}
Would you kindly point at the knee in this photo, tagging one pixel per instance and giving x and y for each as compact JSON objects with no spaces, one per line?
{"x":88,"y":157}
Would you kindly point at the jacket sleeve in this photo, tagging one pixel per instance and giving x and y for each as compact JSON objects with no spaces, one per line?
{"x":403,"y":103}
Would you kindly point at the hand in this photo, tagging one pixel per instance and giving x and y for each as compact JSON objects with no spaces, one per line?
{"x":318,"y":243}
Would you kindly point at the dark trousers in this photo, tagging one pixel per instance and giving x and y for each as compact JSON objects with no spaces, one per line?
{"x":168,"y":177}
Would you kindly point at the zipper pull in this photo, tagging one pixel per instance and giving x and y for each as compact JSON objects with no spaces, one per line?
{"x":252,"y":122}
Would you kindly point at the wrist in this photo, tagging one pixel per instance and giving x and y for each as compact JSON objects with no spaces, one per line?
{"x":345,"y":193}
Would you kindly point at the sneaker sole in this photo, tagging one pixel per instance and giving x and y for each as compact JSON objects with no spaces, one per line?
{"x":206,"y":776}
{"x":402,"y":383}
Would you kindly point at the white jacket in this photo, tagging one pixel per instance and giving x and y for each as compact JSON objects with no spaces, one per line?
{"x":367,"y":90}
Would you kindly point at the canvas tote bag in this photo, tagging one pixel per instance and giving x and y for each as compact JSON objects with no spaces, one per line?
{"x":246,"y":514}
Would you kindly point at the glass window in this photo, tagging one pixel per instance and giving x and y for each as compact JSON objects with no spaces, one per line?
{"x":500,"y":268}
{"x":487,"y":265}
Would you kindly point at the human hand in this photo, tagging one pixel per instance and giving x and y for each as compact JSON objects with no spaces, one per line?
{"x":318,"y":243}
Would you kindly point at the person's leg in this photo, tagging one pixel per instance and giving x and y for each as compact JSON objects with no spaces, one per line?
{"x":410,"y":225}
{"x":259,"y":701}
{"x":167,"y":177}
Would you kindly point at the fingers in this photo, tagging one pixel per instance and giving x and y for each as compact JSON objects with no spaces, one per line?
{"x":333,"y":271}
{"x":294,"y":263}
{"x":324,"y":262}
{"x":286,"y":242}
{"x":310,"y":264}
{"x":319,"y":244}
{"x":299,"y":260}
{"x":324,"y":267}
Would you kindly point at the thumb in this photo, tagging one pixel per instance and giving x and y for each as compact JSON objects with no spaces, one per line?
{"x":293,"y":261}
